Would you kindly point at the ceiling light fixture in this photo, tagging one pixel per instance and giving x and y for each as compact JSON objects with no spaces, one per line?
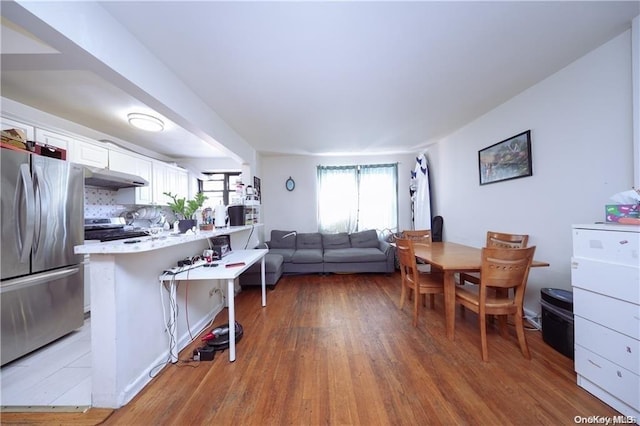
{"x":145,"y":122}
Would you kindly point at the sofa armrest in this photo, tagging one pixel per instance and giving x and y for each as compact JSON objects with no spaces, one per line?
{"x":390,"y":252}
{"x":385,"y":247}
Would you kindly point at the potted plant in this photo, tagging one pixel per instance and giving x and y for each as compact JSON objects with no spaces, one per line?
{"x":185,"y":209}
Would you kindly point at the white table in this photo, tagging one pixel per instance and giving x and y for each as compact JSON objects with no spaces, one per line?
{"x":224,"y":271}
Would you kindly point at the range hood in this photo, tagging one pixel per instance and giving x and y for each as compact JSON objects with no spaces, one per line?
{"x":106,"y":178}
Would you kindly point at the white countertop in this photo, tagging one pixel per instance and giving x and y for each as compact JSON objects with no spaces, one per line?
{"x":142,"y":244}
{"x":230,"y":266}
{"x":608,"y":226}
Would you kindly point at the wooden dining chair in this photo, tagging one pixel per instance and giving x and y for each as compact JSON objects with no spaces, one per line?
{"x":496,"y":239}
{"x":417,"y":234}
{"x":503,"y":269}
{"x":423,"y":236}
{"x":413,"y":281}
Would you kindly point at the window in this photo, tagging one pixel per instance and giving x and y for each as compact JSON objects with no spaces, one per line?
{"x":355,"y":198}
{"x":219,"y":187}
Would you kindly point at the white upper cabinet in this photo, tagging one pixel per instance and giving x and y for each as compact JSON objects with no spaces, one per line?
{"x":167,"y":178}
{"x":183,"y":183}
{"x":29,"y":131}
{"x":88,"y":154}
{"x":132,"y":164}
{"x":162,"y":177}
{"x":77,"y":151}
{"x":54,"y":139}
{"x":160,"y":184}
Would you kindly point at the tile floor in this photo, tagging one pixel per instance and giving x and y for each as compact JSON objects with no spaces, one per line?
{"x":57,"y":375}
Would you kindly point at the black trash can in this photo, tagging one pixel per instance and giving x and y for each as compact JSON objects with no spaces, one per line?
{"x":236,"y":215}
{"x":557,"y":320}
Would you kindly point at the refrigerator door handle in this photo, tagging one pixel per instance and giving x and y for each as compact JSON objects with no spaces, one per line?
{"x":31,"y":280}
{"x":40,"y":200}
{"x":24,"y":241}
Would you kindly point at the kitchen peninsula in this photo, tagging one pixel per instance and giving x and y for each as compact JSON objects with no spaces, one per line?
{"x":130,"y":342}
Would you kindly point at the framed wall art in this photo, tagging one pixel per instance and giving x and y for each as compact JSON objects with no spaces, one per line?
{"x":257,"y":188}
{"x":506,"y":160}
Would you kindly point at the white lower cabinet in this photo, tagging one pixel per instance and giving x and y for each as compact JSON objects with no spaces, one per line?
{"x":605,"y":275}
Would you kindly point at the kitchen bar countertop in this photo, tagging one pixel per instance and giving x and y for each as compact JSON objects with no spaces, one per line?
{"x":165,"y":239}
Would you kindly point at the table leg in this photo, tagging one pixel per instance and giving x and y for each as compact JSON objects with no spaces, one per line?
{"x":262,"y":274}
{"x":232,"y":318}
{"x":173,"y":321}
{"x":450,"y":302}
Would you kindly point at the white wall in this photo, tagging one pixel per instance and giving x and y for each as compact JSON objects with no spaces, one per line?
{"x":297,"y":210}
{"x":582,"y":148}
{"x":635,"y":58}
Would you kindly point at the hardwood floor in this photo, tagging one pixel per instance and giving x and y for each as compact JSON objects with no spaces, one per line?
{"x":337,"y":350}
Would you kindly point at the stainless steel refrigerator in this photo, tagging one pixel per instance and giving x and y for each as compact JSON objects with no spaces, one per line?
{"x":42,"y":219}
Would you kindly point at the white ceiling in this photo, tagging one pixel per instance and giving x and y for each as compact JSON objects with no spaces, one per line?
{"x":312,"y":77}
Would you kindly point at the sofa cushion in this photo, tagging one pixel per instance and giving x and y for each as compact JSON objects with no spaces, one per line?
{"x":350,"y":255}
{"x":336,"y":241}
{"x":282,"y":239}
{"x":365,"y":239}
{"x":309,"y":241}
{"x":286,"y":253}
{"x":307,"y":256}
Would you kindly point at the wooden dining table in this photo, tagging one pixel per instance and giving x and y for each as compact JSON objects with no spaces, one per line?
{"x":453,"y":258}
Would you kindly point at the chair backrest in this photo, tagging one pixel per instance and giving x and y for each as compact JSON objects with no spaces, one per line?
{"x":436,"y":228}
{"x":407,"y":259}
{"x":422,"y":235}
{"x":500,"y":239}
{"x":506,"y":268}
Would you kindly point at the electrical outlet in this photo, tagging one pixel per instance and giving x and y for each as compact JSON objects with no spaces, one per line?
{"x":211,"y":293}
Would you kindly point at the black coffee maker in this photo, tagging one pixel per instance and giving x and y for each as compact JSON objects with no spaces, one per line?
{"x":236,"y":215}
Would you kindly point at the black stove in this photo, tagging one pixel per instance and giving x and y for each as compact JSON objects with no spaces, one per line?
{"x":110,"y":229}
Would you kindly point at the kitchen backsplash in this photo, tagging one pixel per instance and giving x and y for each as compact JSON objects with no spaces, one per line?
{"x":101,"y":202}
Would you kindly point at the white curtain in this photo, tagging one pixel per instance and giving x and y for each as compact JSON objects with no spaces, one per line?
{"x":378,"y":207}
{"x":337,"y":199}
{"x":354,"y":198}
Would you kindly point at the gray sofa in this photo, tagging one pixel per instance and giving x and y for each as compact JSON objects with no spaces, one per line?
{"x":326,"y":253}
{"x":273,"y":272}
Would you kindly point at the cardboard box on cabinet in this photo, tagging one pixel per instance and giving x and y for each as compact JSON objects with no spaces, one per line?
{"x":616,"y":211}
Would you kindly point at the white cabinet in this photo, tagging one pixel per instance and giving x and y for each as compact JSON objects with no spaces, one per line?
{"x":77,"y":151}
{"x":29,"y":131}
{"x":160,"y":184}
{"x":182,"y":179}
{"x":55,"y":139}
{"x":605,"y":275}
{"x":40,"y":136}
{"x":88,"y":154}
{"x":140,"y":166}
{"x":167,"y":178}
